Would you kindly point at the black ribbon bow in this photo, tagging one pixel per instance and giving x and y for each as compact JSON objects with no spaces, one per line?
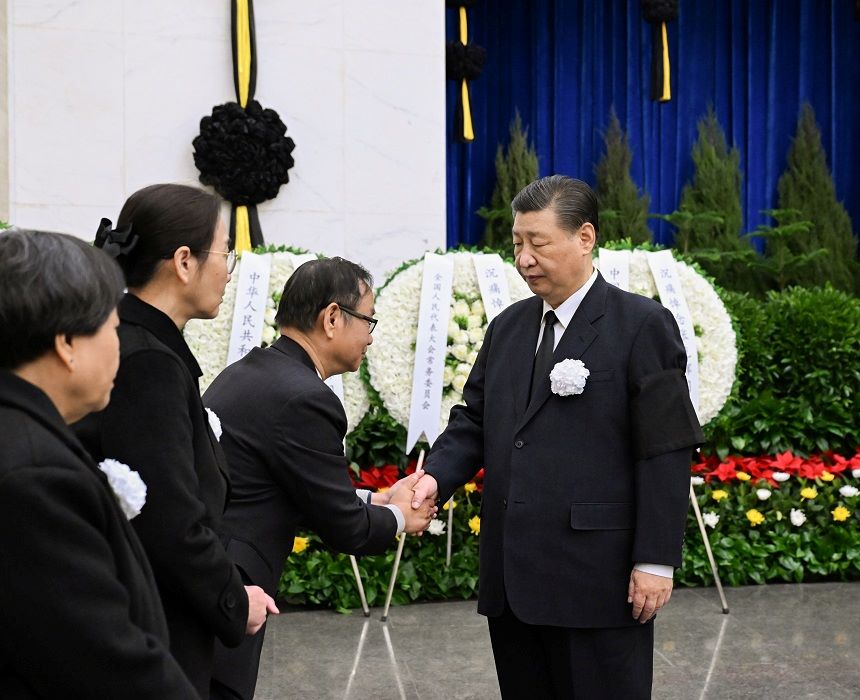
{"x":115,"y":241}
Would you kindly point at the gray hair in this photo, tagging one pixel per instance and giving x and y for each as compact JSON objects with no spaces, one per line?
{"x":51,"y":284}
{"x":573,"y":201}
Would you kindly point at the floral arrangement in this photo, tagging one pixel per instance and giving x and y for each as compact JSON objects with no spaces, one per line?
{"x":782,"y":517}
{"x":715,"y":337}
{"x":209,"y":340}
{"x":391,"y":358}
{"x":568,"y":377}
{"x":128,"y":487}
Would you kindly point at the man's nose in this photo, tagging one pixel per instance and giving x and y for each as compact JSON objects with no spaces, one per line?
{"x":525,"y":259}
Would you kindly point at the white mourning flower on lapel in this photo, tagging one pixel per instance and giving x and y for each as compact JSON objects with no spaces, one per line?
{"x":568,"y":377}
{"x":215,"y":423}
{"x":127,"y":486}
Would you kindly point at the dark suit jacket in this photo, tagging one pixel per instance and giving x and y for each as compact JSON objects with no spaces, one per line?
{"x":577,"y":488}
{"x":156,"y":424}
{"x":283,"y":435}
{"x":79,"y":611}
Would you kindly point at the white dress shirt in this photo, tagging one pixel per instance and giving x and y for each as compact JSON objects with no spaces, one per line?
{"x":564,"y":314}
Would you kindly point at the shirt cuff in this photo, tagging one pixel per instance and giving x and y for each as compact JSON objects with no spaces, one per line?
{"x":401,"y":521}
{"x":663,"y":570}
{"x":364,"y":494}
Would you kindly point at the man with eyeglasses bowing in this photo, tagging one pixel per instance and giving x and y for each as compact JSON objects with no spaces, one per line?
{"x":283,"y":431}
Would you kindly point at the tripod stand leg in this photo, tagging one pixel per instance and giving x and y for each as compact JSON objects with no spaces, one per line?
{"x":393,"y":576}
{"x":710,"y":554}
{"x":360,"y":585}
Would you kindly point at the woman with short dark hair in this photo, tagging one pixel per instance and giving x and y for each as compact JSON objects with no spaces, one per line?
{"x":79,"y":609}
{"x":173,"y":249}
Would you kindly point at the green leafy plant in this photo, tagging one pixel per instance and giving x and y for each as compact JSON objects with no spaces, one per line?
{"x":623,"y":211}
{"x":782,"y":265}
{"x":516,"y":167}
{"x":807,"y":187}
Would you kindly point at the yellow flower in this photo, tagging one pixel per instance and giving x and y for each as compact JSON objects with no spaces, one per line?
{"x":471,"y":487}
{"x":743,"y":476}
{"x":475,"y":525}
{"x":452,"y":504}
{"x":300,"y":544}
{"x":755,"y":517}
{"x":383,"y":489}
{"x":719,"y":495}
{"x":808,"y":493}
{"x":827,"y":476}
{"x":840,"y":514}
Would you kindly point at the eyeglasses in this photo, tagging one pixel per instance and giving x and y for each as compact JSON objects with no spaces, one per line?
{"x":231,"y":258}
{"x":371,"y":322}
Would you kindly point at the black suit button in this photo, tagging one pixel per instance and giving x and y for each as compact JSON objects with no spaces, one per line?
{"x":504,"y":503}
{"x":518,"y":444}
{"x":229,"y":601}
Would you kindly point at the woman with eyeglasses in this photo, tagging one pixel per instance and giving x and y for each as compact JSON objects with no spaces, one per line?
{"x":80,"y":615}
{"x":173,"y":249}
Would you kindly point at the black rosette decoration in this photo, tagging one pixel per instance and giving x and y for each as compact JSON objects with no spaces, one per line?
{"x":657,"y":13}
{"x":243,"y":150}
{"x":463,"y":63}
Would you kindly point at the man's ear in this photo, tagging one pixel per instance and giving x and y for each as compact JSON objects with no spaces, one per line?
{"x":65,"y":350}
{"x":329,"y":319}
{"x":587,"y":237}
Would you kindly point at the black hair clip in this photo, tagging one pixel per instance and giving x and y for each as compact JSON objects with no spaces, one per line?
{"x":115,"y":241}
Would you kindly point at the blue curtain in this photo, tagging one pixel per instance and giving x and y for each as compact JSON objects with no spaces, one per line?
{"x":563,"y":63}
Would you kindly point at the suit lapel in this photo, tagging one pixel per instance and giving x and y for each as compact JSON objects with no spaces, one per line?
{"x":523,"y":345}
{"x":577,"y":338}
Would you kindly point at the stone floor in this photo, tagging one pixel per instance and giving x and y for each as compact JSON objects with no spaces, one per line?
{"x":782,"y":642}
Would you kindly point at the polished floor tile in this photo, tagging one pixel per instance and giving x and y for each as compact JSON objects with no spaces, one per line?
{"x":783,"y":642}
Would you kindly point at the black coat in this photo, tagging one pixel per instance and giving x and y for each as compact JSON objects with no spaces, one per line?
{"x":79,"y":611}
{"x":283,"y":435}
{"x":577,"y":489}
{"x":156,"y":424}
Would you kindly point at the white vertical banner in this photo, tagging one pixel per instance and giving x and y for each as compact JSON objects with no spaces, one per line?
{"x":431,"y":345}
{"x":615,"y":267}
{"x":493,"y":283}
{"x":662,"y":264}
{"x":252,"y":292}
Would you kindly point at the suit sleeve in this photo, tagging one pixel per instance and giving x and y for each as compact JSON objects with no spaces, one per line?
{"x":665,"y":433}
{"x":66,"y":618}
{"x":310,"y":465}
{"x":147,"y":426}
{"x":458,"y":452}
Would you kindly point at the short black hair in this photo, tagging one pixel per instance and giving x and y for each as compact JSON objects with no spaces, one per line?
{"x":163,"y":218}
{"x":316,"y":284}
{"x":573,"y":201}
{"x":51,"y":284}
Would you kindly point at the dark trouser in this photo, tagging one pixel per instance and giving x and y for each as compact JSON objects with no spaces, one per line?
{"x":537,"y":661}
{"x":234,"y":673}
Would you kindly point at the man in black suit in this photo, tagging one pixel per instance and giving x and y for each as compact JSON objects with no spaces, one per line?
{"x":283,"y":432}
{"x":585,"y":488}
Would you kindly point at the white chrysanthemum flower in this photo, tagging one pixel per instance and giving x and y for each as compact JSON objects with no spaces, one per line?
{"x":781,"y":476}
{"x":697,"y":480}
{"x":214,"y":423}
{"x":270,"y":335}
{"x":568,"y":377}
{"x":437,"y":527}
{"x":763,"y":494}
{"x":711,"y":519}
{"x":475,"y":322}
{"x":447,"y":375}
{"x":462,"y":338}
{"x":127,"y":486}
{"x":391,"y":358}
{"x":849,"y":491}
{"x":473,"y":356}
{"x":716,"y":341}
{"x":453,"y":329}
{"x":271,"y":312}
{"x":798,"y":517}
{"x":459,"y":382}
{"x":855,"y":473}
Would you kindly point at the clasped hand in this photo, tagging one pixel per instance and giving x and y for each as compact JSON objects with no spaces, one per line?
{"x":417,"y":516}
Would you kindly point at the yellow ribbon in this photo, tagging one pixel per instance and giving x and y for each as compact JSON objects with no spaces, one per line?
{"x":243,"y":230}
{"x":243,"y":51}
{"x":667,"y":90}
{"x":468,"y":130}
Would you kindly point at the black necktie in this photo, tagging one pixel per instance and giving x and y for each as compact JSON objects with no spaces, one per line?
{"x":543,"y":357}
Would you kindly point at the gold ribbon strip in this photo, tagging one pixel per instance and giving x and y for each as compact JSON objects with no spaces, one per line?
{"x":243,"y":52}
{"x":667,"y":90}
{"x":468,"y":129}
{"x":243,"y":230}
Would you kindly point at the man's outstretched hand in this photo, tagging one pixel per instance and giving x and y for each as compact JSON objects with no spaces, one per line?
{"x":426,"y":487}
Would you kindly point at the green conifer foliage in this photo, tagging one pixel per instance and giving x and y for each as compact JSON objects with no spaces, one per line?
{"x":714,"y":189}
{"x":516,"y":167}
{"x":807,"y":186}
{"x":623,"y":212}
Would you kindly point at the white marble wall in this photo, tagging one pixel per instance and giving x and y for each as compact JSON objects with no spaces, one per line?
{"x":105,"y":97}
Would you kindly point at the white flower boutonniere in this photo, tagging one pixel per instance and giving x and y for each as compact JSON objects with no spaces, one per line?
{"x":568,"y":377}
{"x":127,"y":486}
{"x":215,"y":423}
